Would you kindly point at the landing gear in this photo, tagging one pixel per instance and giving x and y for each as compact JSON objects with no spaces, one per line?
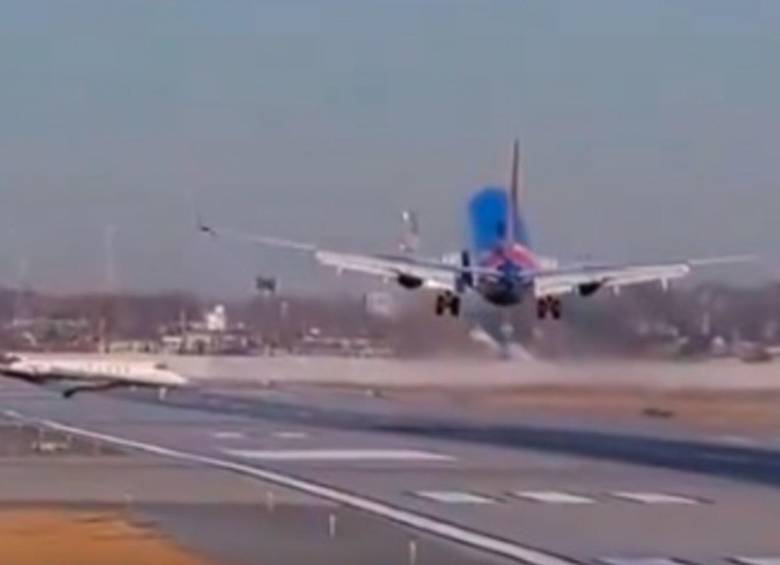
{"x":549,"y":306}
{"x":448,"y":302}
{"x":556,"y":308}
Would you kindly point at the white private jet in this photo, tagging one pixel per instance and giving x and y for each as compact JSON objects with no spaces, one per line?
{"x":88,"y":375}
{"x":500,"y":266}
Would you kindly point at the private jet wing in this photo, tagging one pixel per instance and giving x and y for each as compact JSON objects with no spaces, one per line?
{"x":587,"y":279}
{"x":408,"y":270}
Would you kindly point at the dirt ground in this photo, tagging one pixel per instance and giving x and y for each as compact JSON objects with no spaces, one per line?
{"x":722,"y":411}
{"x":39,"y":536}
{"x":749,"y":411}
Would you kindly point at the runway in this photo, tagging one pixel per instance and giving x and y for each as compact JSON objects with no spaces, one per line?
{"x":479,"y":488}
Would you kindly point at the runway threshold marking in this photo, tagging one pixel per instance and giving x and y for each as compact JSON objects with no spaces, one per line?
{"x":336,"y":455}
{"x":656,"y":498}
{"x":290,"y":435}
{"x":422,"y":523}
{"x":454,"y":497}
{"x":553,"y":497}
{"x":228,"y":435}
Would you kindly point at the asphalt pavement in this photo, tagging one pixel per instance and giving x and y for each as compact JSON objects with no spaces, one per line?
{"x":464,"y":486}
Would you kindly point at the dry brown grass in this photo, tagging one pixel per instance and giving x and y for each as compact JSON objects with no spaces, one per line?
{"x":64,"y":537}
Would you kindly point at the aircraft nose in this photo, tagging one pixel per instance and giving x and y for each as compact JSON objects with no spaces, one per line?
{"x":174,"y":379}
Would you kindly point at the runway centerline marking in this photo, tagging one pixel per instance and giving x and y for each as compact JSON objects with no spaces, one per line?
{"x":553,"y":497}
{"x":656,"y":498}
{"x":422,"y":523}
{"x":454,"y":497}
{"x":337,"y":455}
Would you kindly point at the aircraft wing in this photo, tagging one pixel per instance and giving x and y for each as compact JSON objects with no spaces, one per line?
{"x":387,"y":267}
{"x":589,"y":278}
{"x":418,"y":271}
{"x":256,"y":239}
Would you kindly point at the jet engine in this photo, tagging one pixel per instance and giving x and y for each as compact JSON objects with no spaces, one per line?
{"x":589,"y":289}
{"x":409,"y":281}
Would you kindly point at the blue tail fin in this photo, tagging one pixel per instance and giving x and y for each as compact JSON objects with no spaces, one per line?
{"x":488,"y":211}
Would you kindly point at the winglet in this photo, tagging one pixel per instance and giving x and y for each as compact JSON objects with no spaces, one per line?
{"x":205,"y":228}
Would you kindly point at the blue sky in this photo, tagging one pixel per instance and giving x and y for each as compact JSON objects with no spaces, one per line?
{"x":650,"y":129}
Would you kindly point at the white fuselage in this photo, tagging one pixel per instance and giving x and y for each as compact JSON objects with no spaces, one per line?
{"x":98,"y":370}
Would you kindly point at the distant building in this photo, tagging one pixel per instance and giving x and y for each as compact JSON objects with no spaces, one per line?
{"x":315,"y":343}
{"x":214,"y":335}
{"x":133,"y":346}
{"x":217,"y":320}
{"x":50,"y":333}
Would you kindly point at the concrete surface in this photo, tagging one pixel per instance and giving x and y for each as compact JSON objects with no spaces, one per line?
{"x":651,"y":491}
{"x":223,"y":517}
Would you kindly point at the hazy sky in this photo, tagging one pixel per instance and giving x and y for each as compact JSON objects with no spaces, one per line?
{"x":650,"y":129}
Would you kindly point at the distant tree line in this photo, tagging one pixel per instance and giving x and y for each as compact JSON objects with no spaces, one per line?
{"x":635,"y":322}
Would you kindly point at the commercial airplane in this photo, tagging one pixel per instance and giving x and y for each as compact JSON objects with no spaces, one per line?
{"x":84,"y":375}
{"x":501,"y":267}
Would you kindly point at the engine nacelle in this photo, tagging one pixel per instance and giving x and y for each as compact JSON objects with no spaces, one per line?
{"x":410,"y":282}
{"x":589,"y":289}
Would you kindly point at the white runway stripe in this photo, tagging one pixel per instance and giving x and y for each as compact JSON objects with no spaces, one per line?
{"x":553,"y":497}
{"x":641,"y":561}
{"x":738,"y":440}
{"x":445,"y":530}
{"x":290,"y":435}
{"x":454,"y":497}
{"x":228,"y":435}
{"x":655,"y":498}
{"x":756,"y":560}
{"x":337,"y":455}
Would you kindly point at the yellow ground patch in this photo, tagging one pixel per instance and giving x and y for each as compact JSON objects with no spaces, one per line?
{"x":48,"y":536}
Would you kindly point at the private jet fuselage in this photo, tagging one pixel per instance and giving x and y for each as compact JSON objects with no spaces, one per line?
{"x":91,"y":375}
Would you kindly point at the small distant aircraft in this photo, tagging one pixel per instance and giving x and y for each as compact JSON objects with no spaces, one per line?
{"x":504,"y":272}
{"x":84,"y":375}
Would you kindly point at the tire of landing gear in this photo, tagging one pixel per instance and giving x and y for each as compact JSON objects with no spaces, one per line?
{"x":439,"y":305}
{"x":455,"y":306}
{"x":542,"y":306}
{"x":556,"y":308}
